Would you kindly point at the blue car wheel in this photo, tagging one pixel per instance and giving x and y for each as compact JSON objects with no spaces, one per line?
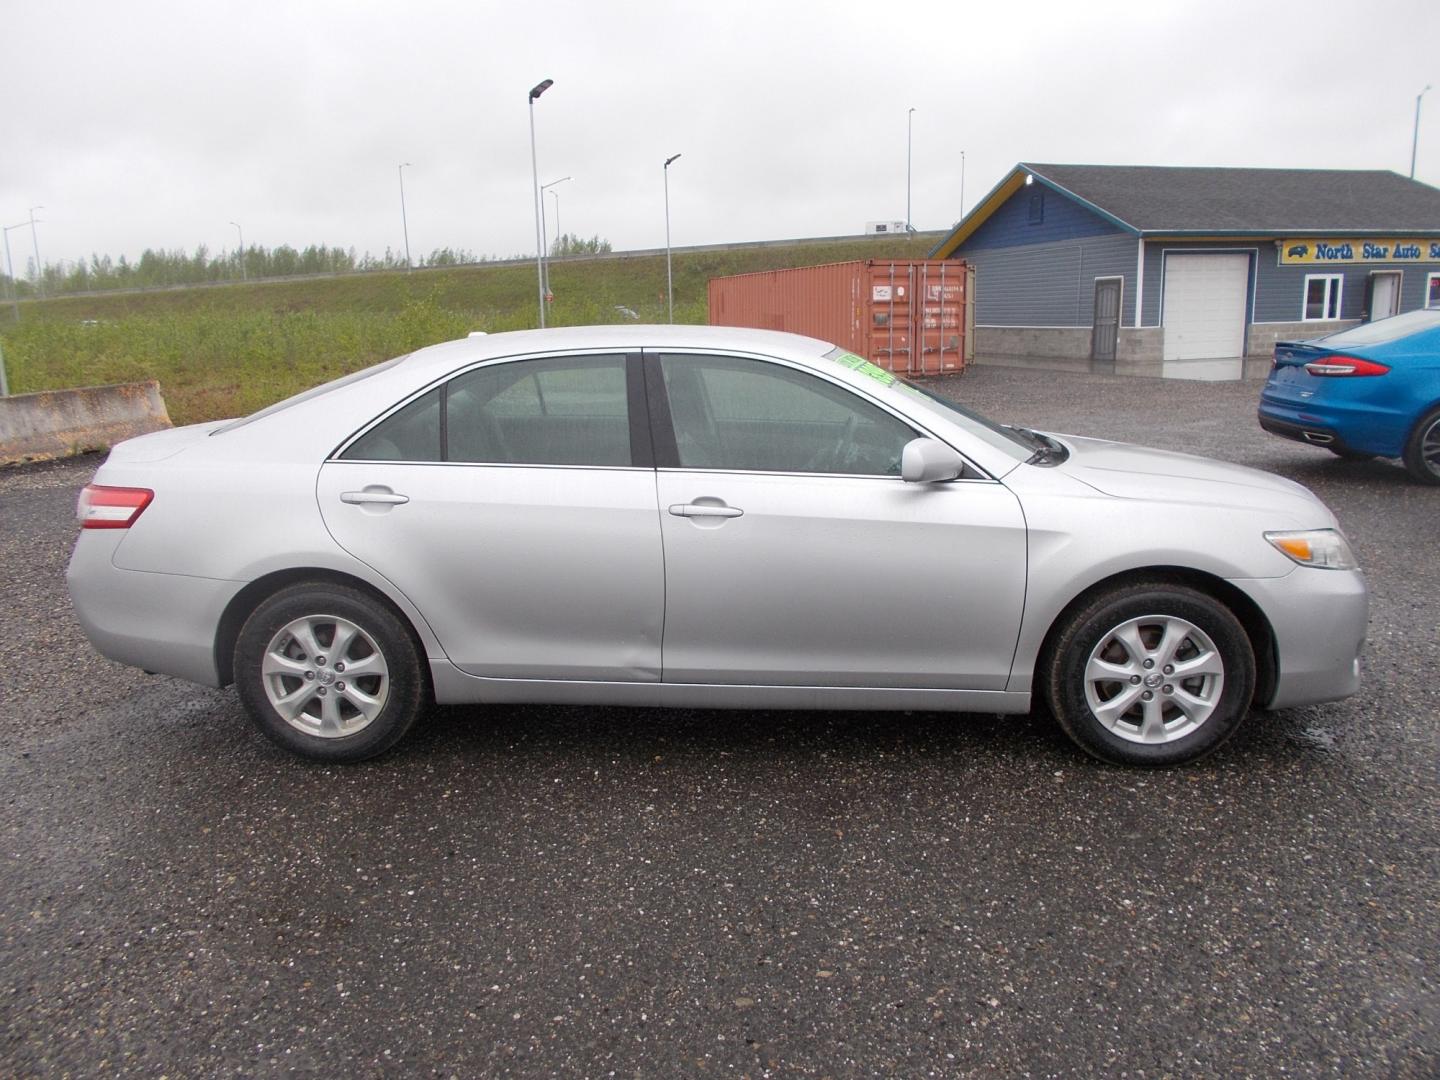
{"x":1422,"y":449}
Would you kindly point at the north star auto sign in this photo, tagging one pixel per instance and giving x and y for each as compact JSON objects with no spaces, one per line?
{"x":1329,"y":252}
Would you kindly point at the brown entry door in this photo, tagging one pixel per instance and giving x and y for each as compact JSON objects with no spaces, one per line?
{"x":1107,"y":319}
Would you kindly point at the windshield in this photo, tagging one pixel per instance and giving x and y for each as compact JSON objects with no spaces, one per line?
{"x":1006,"y":438}
{"x":306,"y":395}
{"x":1386,"y":330}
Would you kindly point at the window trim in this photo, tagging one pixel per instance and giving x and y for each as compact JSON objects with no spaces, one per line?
{"x":1432,"y":278}
{"x":1338,"y":280}
{"x":667,"y":455}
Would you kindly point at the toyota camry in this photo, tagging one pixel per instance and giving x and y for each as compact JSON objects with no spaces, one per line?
{"x":704,"y":517}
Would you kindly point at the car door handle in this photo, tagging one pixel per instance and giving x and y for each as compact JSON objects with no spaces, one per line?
{"x":705,"y":510}
{"x":383,"y":496}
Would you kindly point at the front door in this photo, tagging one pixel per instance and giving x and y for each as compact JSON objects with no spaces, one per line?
{"x":795,"y":554}
{"x":1106,"y":327}
{"x":1384,"y":295}
{"x":509,"y":507}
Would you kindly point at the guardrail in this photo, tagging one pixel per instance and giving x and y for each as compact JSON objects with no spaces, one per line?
{"x":519,"y":260}
{"x":59,"y":423}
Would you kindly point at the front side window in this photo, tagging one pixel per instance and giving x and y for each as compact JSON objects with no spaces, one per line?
{"x":750,"y":415}
{"x":568,"y":410}
{"x":1322,"y":297}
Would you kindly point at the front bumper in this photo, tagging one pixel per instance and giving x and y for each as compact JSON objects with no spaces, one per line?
{"x":164,"y":623}
{"x":1319,"y":618}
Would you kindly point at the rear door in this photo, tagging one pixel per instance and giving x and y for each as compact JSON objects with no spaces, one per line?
{"x":795,"y":554}
{"x":515,"y":506}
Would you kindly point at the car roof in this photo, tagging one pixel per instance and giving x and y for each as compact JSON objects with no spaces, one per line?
{"x":626,"y":337}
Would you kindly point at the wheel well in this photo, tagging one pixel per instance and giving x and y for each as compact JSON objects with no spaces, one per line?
{"x":1257,"y":627}
{"x":258,"y":591}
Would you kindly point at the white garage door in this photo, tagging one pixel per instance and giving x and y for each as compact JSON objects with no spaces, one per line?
{"x":1205,"y":315}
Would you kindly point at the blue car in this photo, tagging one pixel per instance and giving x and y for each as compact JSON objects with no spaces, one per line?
{"x":1370,"y":391}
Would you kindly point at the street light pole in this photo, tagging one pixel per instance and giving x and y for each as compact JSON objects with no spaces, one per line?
{"x":404,"y":223}
{"x":535,"y":91}
{"x":962,"y":183}
{"x":39,"y":270}
{"x":558,"y":234}
{"x":1415,"y":139}
{"x":669,"y":278}
{"x":10,"y":269}
{"x":909,"y":138}
{"x":544,"y":237}
{"x":242,"y":248}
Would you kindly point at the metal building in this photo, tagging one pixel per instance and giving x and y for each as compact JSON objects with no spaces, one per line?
{"x":1189,"y":272}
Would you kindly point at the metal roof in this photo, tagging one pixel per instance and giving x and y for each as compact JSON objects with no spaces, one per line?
{"x":1208,"y":201}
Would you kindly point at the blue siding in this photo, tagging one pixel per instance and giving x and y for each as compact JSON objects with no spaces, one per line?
{"x":1050,"y":284}
{"x":1279,"y":290}
{"x":1009,"y":226}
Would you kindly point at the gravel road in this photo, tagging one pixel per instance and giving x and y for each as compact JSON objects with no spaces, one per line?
{"x":605,"y":892}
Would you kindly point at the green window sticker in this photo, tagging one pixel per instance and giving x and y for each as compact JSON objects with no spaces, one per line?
{"x":865,"y":367}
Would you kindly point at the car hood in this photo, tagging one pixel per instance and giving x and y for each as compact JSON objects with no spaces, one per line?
{"x":1139,"y":472}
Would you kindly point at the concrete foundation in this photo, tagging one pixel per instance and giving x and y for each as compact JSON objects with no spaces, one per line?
{"x":1138,"y":351}
{"x":58,"y":423}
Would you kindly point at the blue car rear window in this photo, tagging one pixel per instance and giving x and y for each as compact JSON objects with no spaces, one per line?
{"x":1386,"y":330}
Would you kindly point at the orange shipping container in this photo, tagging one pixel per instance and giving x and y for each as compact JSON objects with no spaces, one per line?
{"x":910,"y":316}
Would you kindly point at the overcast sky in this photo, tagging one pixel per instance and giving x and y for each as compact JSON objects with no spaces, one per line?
{"x":147,"y":124}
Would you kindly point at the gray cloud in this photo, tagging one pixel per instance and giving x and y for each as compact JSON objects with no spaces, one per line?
{"x":154,"y":124}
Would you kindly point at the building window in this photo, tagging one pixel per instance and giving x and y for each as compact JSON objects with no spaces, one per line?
{"x":1432,"y":291}
{"x":1037,"y":208}
{"x":1322,"y":297}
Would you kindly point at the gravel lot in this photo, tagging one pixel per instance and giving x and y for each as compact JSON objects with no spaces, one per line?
{"x":590,"y":892}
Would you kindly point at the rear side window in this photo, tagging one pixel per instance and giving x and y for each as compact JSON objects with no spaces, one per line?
{"x":559,"y":411}
{"x":412,"y":434}
{"x":569,"y":410}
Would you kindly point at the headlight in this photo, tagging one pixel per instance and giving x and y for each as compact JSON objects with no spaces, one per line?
{"x":1325,"y":548}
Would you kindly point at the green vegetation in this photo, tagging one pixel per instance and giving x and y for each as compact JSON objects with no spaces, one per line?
{"x":228,"y":350}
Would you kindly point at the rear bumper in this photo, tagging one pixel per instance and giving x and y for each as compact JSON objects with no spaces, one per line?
{"x":159,"y":622}
{"x":1363,"y":426}
{"x":1314,"y":434}
{"x":1319,"y":618}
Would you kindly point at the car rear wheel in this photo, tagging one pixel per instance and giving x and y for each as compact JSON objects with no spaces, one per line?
{"x":329,"y":673}
{"x":1151,"y":674}
{"x":1422,"y":449}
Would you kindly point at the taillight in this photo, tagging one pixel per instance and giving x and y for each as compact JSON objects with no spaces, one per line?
{"x":1345,"y":365}
{"x":104,"y":507}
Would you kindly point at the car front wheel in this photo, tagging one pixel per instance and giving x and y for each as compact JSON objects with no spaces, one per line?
{"x":1422,"y":449}
{"x":1151,"y":674}
{"x":329,"y":673}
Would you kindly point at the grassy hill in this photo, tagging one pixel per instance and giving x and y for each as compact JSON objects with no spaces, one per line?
{"x":225,"y":351}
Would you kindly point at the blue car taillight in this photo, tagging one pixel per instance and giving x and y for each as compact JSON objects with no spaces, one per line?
{"x":1344,"y":366}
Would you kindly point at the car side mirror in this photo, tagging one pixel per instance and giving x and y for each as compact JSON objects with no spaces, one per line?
{"x":925,"y":461}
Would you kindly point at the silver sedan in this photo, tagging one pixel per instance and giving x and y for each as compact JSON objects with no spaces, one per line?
{"x":691,"y":516}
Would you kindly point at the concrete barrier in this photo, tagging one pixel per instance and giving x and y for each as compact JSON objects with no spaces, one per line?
{"x":57,"y":423}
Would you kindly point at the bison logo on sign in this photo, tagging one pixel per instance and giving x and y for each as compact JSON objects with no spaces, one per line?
{"x":1298,"y":251}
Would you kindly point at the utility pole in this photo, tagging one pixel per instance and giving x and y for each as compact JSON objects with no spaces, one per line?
{"x":39,"y":269}
{"x":1415,"y":139}
{"x":404,"y":223}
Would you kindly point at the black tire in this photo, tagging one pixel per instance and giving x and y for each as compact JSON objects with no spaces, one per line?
{"x":1350,"y":455}
{"x":1422,"y":449}
{"x":360,"y":719}
{"x":1176,"y":736}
